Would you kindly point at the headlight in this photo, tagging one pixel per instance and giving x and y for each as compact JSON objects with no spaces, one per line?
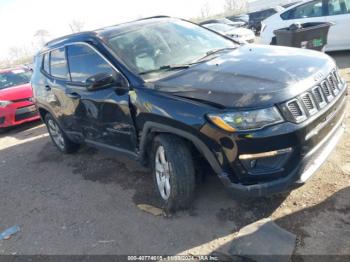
{"x":246,"y":120}
{"x":4,"y":103}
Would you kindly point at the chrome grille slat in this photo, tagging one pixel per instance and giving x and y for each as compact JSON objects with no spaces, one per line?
{"x":296,"y":110}
{"x":320,"y":100}
{"x":327,"y":91}
{"x":332,"y":84}
{"x":311,"y":102}
{"x":337,"y":78}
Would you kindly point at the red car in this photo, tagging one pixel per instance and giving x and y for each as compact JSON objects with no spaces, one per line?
{"x":16,"y":98}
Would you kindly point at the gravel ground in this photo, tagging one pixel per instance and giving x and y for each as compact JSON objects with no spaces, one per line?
{"x":87,"y":203}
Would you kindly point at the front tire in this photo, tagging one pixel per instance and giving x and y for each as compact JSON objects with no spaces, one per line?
{"x":173,"y":172}
{"x":59,"y":138}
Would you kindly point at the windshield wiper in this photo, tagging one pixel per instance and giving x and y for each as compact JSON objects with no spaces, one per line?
{"x":214,"y":51}
{"x":185,"y":66}
{"x":165,"y":68}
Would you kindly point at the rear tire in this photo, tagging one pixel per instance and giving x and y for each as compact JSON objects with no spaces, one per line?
{"x":173,"y":172}
{"x":59,"y":138}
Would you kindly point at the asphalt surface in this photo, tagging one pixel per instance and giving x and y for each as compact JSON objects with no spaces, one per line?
{"x":86,"y":203}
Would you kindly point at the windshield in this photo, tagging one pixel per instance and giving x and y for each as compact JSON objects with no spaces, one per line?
{"x":14,"y":78}
{"x":163,"y":43}
{"x":219,"y":27}
{"x":225,"y":21}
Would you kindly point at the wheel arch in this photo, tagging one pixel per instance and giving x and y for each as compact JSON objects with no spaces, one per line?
{"x":152,"y":129}
{"x":43,"y":112}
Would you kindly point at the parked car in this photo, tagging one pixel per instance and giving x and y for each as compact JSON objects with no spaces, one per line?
{"x":16,"y":98}
{"x":238,"y":34}
{"x":334,"y":11}
{"x":290,"y":4}
{"x":173,"y":94}
{"x":224,"y":21}
{"x":255,"y":18}
{"x":239,"y":18}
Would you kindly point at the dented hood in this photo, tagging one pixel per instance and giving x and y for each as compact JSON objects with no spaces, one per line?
{"x":250,"y":76}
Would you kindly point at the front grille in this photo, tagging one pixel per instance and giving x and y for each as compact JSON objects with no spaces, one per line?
{"x":327,"y":90}
{"x":25,"y":112}
{"x":319,"y":97}
{"x":309,"y":103}
{"x":333,"y":84}
{"x":25,"y":115}
{"x":296,"y":110}
{"x":336,"y":76}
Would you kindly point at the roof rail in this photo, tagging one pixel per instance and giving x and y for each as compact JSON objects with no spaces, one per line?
{"x":151,"y":17}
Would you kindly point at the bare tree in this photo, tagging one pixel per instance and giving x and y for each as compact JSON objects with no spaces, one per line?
{"x":233,"y":7}
{"x":15,"y":53}
{"x":42,"y":36}
{"x":76,"y":26}
{"x":205,"y":10}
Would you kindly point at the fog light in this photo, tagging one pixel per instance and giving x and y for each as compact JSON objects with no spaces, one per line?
{"x":265,"y":163}
{"x":252,"y":163}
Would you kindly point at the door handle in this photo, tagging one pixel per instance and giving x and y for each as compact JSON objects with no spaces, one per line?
{"x":47,"y":88}
{"x":73,"y":95}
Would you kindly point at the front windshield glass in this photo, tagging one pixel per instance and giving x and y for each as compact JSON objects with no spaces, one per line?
{"x":225,"y":21}
{"x":219,"y":27}
{"x":167,"y":42}
{"x":14,"y":78}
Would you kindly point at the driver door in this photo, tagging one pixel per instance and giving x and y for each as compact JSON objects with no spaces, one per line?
{"x":104,"y":114}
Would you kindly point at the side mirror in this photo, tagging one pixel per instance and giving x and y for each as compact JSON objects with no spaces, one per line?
{"x":104,"y":80}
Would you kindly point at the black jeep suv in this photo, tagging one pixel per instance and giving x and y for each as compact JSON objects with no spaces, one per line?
{"x":169,"y":92}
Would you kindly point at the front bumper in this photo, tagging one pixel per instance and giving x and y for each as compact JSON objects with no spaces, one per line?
{"x":308,"y":145}
{"x":304,"y":170}
{"x":18,"y":113}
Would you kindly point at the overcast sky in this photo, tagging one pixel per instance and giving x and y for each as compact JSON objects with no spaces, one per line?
{"x":20,"y":19}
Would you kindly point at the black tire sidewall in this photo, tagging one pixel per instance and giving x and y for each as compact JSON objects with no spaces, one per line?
{"x":182,"y":177}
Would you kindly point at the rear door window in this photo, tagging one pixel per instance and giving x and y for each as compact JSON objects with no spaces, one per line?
{"x":58,"y":64}
{"x":46,"y":63}
{"x":308,"y":10}
{"x":84,"y":62}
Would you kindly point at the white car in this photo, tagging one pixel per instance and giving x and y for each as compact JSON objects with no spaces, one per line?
{"x":239,"y":34}
{"x":334,"y":11}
